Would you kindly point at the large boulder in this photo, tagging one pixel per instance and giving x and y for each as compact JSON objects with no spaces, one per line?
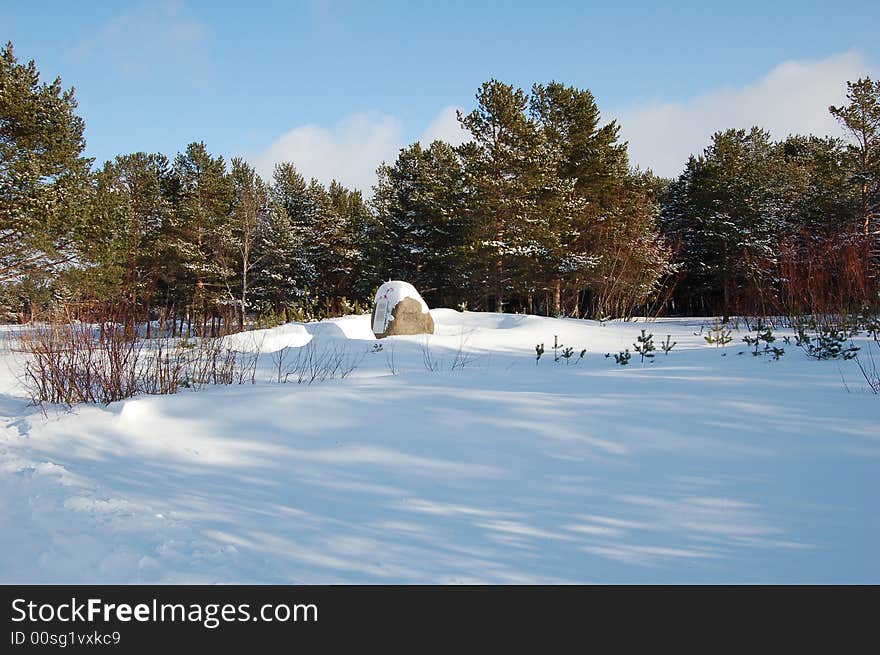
{"x":399,"y":309}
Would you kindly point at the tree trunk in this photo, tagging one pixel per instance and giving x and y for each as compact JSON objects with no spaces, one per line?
{"x":499,"y":285}
{"x":244,"y":291}
{"x":557,"y":297}
{"x":499,"y":263}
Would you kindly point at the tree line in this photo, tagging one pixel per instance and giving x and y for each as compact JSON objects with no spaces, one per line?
{"x":539,"y":211}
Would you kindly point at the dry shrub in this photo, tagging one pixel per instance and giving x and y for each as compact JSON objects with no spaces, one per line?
{"x":315,"y":362}
{"x":821,"y":276}
{"x":69,"y":362}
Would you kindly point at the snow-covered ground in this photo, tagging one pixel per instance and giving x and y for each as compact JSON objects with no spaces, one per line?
{"x":705,"y":466}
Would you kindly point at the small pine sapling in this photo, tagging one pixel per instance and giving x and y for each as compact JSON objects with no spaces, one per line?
{"x":622,"y":357}
{"x":828,"y":343}
{"x":752,"y":341}
{"x":801,"y":338}
{"x":568,"y":353}
{"x":667,"y":345}
{"x":763,"y":335}
{"x":766,"y":335}
{"x":556,"y":347}
{"x":539,"y":350}
{"x":719,"y":335}
{"x":644,"y":345}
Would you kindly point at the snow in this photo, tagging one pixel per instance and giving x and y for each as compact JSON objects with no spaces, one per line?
{"x":705,"y":466}
{"x":295,"y":335}
{"x":291,"y":335}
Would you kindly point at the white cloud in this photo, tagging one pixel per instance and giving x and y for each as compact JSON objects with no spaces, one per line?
{"x":792,"y":98}
{"x":348,"y":152}
{"x":445,"y":128}
{"x":352,"y":149}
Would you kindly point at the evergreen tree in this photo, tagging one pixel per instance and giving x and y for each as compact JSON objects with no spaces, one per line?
{"x":722,"y":212}
{"x":582,"y":150}
{"x":422,"y":233}
{"x":126,"y":232}
{"x":325,"y":244}
{"x":811,"y":183}
{"x":348,"y":251}
{"x":823,"y":252}
{"x":44,"y":179}
{"x":239,"y":237}
{"x":202,"y":194}
{"x":540,"y":211}
{"x":285,"y":273}
{"x":586,"y":167}
{"x":501,"y":166}
{"x":861,"y":119}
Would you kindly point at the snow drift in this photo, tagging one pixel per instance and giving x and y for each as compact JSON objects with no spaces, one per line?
{"x":705,"y":466}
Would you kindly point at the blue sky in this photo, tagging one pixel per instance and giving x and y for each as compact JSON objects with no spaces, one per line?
{"x":339,"y":86}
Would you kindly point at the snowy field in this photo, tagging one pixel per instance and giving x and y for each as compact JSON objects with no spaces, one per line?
{"x":705,"y":466}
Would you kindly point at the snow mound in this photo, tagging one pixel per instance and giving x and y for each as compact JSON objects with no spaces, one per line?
{"x":296,"y":335}
{"x":452,"y":318}
{"x":289,"y":335}
{"x":353,"y":327}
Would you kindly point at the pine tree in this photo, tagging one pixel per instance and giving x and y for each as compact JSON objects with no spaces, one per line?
{"x":581,"y":148}
{"x":202,"y":196}
{"x":812,"y":186}
{"x":501,"y":173}
{"x":349,"y":249}
{"x":240,"y":235}
{"x":126,"y":232}
{"x":326,"y":247}
{"x":861,"y":119}
{"x":582,"y":189}
{"x":286,"y":273}
{"x":767,"y":226}
{"x":44,"y":179}
{"x":722,"y":211}
{"x":421,"y":231}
